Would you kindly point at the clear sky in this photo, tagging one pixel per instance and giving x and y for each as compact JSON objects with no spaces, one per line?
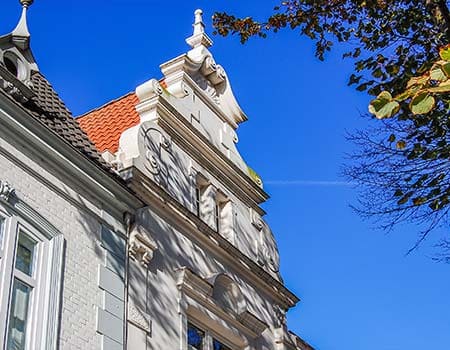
{"x":359,"y":291}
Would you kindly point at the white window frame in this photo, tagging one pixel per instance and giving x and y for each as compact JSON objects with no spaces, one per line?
{"x":46,"y":280}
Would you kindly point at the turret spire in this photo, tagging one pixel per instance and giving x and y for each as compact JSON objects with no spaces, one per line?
{"x":21,"y":34}
{"x":199,"y":37}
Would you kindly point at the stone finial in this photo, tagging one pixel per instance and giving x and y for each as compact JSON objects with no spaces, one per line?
{"x":199,"y":37}
{"x":199,"y":26}
{"x":26,"y":3}
{"x":21,"y":29}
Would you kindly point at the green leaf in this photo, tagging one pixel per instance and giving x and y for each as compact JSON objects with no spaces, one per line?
{"x":422,"y":80}
{"x":422,"y":103}
{"x":434,"y":205}
{"x":384,"y":106}
{"x":443,"y":87}
{"x":438,"y":74}
{"x":406,"y":94}
{"x":446,"y":69}
{"x":444,"y":52}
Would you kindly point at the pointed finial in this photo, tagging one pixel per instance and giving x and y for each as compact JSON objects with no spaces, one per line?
{"x":199,"y":26}
{"x":26,"y":3}
{"x":199,"y":37}
{"x":21,"y":29}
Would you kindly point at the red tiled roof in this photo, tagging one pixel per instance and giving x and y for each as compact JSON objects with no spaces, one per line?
{"x":105,"y":124}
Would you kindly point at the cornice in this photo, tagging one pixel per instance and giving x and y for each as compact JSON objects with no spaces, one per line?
{"x":208,"y":155}
{"x":164,"y":205}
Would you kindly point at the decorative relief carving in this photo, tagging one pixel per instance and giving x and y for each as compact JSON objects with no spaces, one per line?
{"x":257,"y":221}
{"x":6,"y":191}
{"x":155,"y":142}
{"x":166,"y":143}
{"x":266,"y":248}
{"x":149,"y":90}
{"x":12,"y":90}
{"x":141,"y":247}
{"x":280,"y":314}
{"x":139,"y":319}
{"x":153,"y":161}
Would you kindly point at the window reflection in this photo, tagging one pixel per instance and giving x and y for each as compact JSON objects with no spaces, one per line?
{"x":2,"y":230}
{"x":18,"y":316}
{"x":25,"y":253}
{"x":217,"y":345}
{"x":196,"y":338}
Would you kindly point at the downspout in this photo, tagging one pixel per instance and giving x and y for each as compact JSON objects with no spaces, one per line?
{"x":129,"y":220}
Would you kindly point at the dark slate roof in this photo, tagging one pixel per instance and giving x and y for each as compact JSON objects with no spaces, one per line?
{"x":43,"y":103}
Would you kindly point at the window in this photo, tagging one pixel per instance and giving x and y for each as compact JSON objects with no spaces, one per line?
{"x":201,"y":184}
{"x":217,"y":216}
{"x":2,"y":229}
{"x":198,"y":339}
{"x":198,"y":199}
{"x":217,"y":345}
{"x":15,"y":65}
{"x":11,"y":66}
{"x":29,"y":264}
{"x":213,"y":206}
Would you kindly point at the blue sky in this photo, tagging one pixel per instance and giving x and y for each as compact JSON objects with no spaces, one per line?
{"x":359,"y":291}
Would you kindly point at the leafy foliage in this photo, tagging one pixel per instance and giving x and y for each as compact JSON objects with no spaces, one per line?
{"x":403,"y":162}
{"x":420,"y":91}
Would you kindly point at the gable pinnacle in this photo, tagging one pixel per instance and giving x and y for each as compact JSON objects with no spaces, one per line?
{"x":199,"y":26}
{"x":21,"y":29}
{"x":199,"y":37}
{"x":26,"y":3}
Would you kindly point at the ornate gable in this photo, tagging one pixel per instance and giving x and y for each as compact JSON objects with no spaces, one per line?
{"x":199,"y":65}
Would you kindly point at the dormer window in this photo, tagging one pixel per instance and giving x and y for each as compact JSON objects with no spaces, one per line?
{"x":15,"y":65}
{"x":11,"y":66}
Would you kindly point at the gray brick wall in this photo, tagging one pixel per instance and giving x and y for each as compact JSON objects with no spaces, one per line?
{"x":79,"y":219}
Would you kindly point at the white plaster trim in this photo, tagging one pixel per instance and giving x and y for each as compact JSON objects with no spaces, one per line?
{"x":26,"y":212}
{"x":200,"y":290}
{"x":194,"y":143}
{"x":185,"y":221}
{"x":52,"y":320}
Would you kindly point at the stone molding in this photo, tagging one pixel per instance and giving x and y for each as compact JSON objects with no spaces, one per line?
{"x":6,"y":191}
{"x":138,"y":319}
{"x":141,"y":246}
{"x":162,"y":203}
{"x":201,"y":291}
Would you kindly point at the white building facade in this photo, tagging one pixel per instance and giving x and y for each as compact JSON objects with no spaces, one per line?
{"x":156,"y":241}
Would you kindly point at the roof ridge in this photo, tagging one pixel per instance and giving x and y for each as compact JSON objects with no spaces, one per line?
{"x":85,"y":114}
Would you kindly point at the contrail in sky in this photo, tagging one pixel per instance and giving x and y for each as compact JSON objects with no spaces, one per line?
{"x":307,"y":183}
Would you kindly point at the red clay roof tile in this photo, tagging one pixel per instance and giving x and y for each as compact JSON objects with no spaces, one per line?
{"x":105,"y":125}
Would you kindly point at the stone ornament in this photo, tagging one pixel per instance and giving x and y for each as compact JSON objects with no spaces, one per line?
{"x":6,"y":191}
{"x":149,"y":90}
{"x":257,"y":221}
{"x":153,"y":150}
{"x":26,"y":3}
{"x":139,"y":319}
{"x":141,"y":248}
